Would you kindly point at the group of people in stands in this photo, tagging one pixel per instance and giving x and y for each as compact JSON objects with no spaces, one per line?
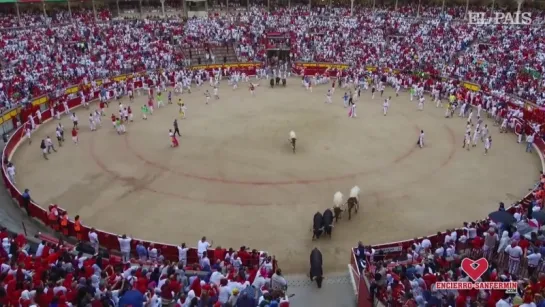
{"x":514,"y":252}
{"x":506,"y":59}
{"x":53,"y":18}
{"x":62,"y":275}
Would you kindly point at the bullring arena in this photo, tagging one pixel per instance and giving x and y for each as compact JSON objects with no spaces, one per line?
{"x":234,"y":176}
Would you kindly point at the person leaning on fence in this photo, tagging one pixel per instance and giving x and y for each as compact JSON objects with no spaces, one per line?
{"x":64,"y":224}
{"x":93,"y":239}
{"x":53,"y":217}
{"x":153,"y":253}
{"x":26,"y":201}
{"x":77,"y":228}
{"x":182,"y":254}
{"x":203,"y":246}
{"x":125,"y":248}
{"x":141,"y":251}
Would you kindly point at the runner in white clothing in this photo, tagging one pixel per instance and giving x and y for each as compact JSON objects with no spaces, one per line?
{"x":328,"y":96}
{"x":421,"y":103}
{"x":92,"y":122}
{"x":421,"y":139}
{"x":487,"y":144}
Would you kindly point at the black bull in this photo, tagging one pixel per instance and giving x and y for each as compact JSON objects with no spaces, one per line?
{"x":317,"y":226}
{"x":328,"y":221}
{"x":316,"y":272}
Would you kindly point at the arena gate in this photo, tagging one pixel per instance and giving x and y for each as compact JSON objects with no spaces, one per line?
{"x":278,"y":47}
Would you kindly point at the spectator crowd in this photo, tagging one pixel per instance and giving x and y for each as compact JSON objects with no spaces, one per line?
{"x":55,"y":273}
{"x":515,"y":251}
{"x":52,"y":55}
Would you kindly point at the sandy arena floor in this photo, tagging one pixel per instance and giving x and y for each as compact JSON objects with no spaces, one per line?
{"x":235,"y":179}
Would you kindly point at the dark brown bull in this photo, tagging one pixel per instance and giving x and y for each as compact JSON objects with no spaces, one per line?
{"x":352,"y":203}
{"x":337,"y":212}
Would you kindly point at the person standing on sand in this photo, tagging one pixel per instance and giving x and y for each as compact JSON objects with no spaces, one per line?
{"x":176,"y":129}
{"x":173,"y":140}
{"x":43,"y":147}
{"x":421,"y":139}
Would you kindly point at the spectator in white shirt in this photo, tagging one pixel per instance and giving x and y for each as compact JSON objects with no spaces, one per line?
{"x":447,"y":238}
{"x":533,"y":261}
{"x":527,"y":302}
{"x":40,"y":249}
{"x":236,"y":262}
{"x":205,"y":261}
{"x":278,"y":282}
{"x":224,"y":293}
{"x":125,"y":248}
{"x":454,"y":236}
{"x":515,"y":254}
{"x":504,"y":241}
{"x":450,"y":250}
{"x":93,"y":239}
{"x":259,"y":281}
{"x":153,"y":254}
{"x":203,"y":246}
{"x":59,"y":288}
{"x":503,"y":302}
{"x":216,"y":277}
{"x":6,"y":245}
{"x":11,"y":172}
{"x":156,"y":299}
{"x":4,"y":268}
{"x":81,"y":260}
{"x":417,"y":247}
{"x":439,"y":251}
{"x":471,"y":231}
{"x":426,"y":243}
{"x":182,"y":254}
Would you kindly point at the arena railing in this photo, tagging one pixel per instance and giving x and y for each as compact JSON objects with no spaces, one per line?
{"x":107,"y":240}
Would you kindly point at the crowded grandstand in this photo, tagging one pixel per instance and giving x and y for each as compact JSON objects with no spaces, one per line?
{"x":48,"y":49}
